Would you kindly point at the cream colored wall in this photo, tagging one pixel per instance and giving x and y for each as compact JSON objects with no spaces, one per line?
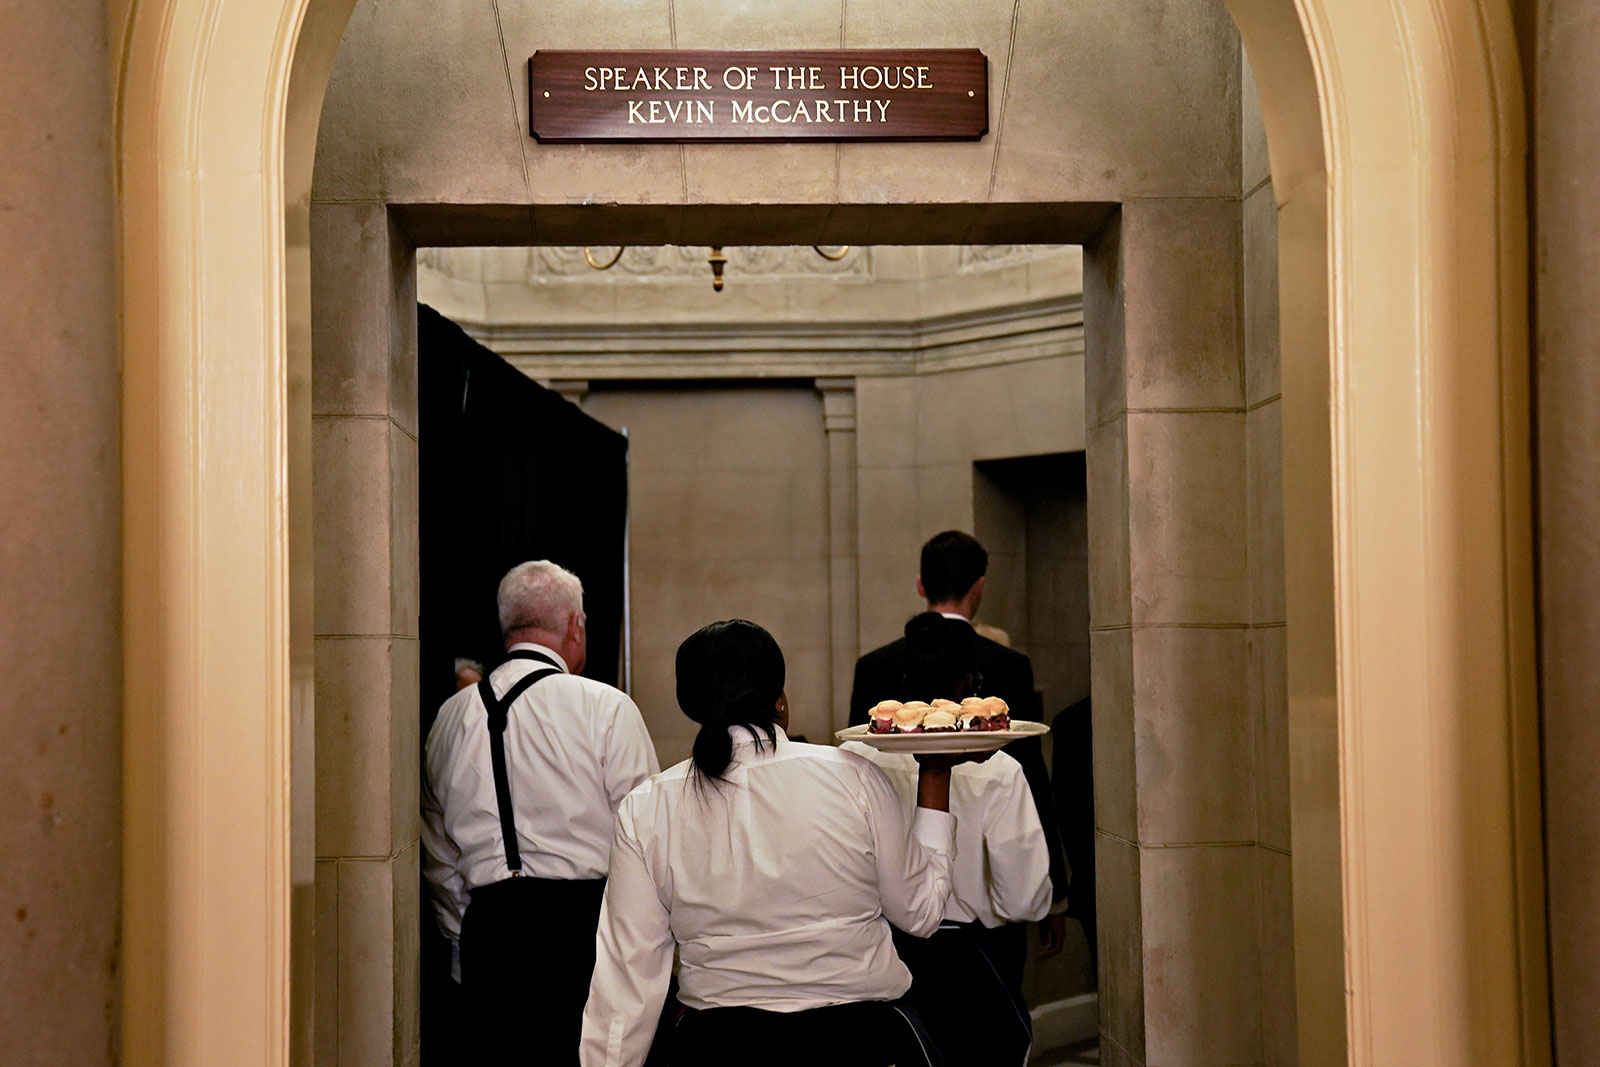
{"x":728,"y":518}
{"x":60,"y":579}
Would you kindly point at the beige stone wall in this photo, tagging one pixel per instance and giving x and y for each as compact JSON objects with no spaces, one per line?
{"x":1170,"y":609}
{"x":1030,"y":513}
{"x":728,"y":518}
{"x":364,"y":458}
{"x":1186,"y":533}
{"x":1268,"y":683}
{"x":60,"y":551}
{"x":917,"y":440}
{"x":1099,"y":101}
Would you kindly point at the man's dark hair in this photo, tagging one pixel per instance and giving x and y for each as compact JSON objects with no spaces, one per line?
{"x":951,"y":562}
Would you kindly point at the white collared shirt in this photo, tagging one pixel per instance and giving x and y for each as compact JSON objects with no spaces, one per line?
{"x":775,"y":886}
{"x":574,"y":748}
{"x":1001,"y":872}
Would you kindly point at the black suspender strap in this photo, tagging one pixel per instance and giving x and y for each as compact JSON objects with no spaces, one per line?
{"x":498,"y":709}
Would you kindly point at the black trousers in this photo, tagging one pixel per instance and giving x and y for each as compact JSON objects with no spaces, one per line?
{"x":527,"y":954}
{"x":872,"y":1033}
{"x":986,"y":1024}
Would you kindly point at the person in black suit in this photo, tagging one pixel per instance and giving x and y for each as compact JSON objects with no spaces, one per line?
{"x":951,"y":579}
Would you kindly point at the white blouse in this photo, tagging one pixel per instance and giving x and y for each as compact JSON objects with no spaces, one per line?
{"x":1001,"y":873}
{"x":775,"y":885}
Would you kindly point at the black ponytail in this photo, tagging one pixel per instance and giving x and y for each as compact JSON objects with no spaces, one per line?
{"x":729,"y":674}
{"x":941,"y":658}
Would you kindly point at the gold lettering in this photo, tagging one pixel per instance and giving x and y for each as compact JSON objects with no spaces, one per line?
{"x":849,"y":77}
{"x":700,"y":81}
{"x":924,"y":81}
{"x":634,"y":114}
{"x":741,"y":109}
{"x":793,"y":78}
{"x":705,"y":110}
{"x":883,"y":110}
{"x":589,"y":82}
{"x":640,"y":77}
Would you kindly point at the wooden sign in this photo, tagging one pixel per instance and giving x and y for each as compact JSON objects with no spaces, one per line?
{"x":928,"y":94}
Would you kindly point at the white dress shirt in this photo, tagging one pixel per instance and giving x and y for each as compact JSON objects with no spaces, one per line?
{"x":574,"y":748}
{"x":774,"y":885}
{"x":1001,"y":872}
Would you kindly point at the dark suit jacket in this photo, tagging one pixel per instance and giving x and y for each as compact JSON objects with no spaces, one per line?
{"x":1007,"y":674}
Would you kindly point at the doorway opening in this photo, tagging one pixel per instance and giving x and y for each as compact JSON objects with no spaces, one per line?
{"x":792,"y":441}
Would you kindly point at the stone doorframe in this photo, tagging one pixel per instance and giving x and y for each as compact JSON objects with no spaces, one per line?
{"x":1397,"y":163}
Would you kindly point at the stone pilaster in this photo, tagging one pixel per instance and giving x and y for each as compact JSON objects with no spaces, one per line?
{"x":365,"y":470}
{"x":1170,"y":605}
{"x":839,"y":423}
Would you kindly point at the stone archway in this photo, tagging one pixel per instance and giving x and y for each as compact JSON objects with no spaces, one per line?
{"x":1411,"y":705}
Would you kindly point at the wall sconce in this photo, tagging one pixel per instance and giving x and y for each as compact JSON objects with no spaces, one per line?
{"x":717,"y":261}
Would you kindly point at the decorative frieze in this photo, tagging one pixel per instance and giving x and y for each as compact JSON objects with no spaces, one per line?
{"x":762,"y":262}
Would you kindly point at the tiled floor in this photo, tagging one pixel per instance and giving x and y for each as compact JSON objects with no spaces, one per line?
{"x":1086,"y":1053}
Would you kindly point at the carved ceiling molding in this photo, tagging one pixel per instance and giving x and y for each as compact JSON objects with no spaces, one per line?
{"x":1044,"y":329}
{"x":758,"y":262}
{"x":975,"y":258}
{"x":754,"y":262}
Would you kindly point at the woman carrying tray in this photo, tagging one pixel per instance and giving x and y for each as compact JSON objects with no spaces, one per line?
{"x":1000,"y":876}
{"x":774,"y":868}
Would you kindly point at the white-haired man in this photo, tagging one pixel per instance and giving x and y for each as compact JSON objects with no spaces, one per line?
{"x":524,"y":772}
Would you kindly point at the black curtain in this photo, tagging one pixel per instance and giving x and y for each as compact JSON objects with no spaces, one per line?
{"x":510,"y":471}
